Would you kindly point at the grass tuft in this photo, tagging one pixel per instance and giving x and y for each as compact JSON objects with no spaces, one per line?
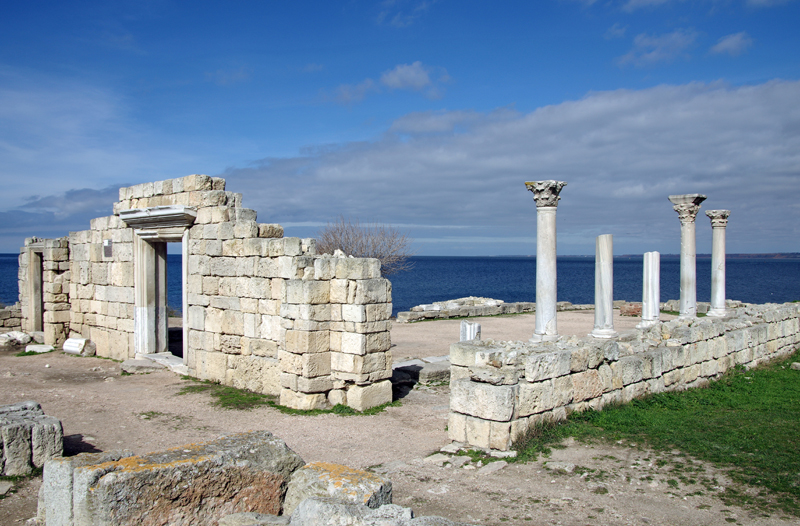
{"x":31,"y":353}
{"x":747,"y":422}
{"x":228,"y":397}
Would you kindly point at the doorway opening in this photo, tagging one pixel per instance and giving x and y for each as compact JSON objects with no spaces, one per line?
{"x":174,"y":298}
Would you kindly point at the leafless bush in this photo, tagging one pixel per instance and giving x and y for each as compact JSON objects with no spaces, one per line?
{"x":382,"y":242}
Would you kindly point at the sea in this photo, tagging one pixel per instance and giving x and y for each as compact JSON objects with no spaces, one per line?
{"x":513,"y":278}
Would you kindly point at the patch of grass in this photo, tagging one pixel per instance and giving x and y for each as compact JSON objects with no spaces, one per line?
{"x":228,"y":397}
{"x":14,"y":479}
{"x":31,"y":353}
{"x":747,"y":422}
{"x":676,"y":313}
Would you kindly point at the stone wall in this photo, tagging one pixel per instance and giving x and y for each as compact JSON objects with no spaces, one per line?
{"x":11,"y":318}
{"x":52,"y":284}
{"x":261,"y":311}
{"x":499,"y":389}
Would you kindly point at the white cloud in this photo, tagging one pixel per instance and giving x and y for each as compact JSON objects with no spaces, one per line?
{"x":622,"y":152}
{"x":402,"y":13}
{"x":414,"y":77}
{"x":616,"y":31}
{"x":733,"y":45}
{"x":651,"y":49}
{"x":406,"y":76}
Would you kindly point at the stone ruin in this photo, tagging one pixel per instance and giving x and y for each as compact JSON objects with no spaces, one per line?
{"x":260,"y":311}
{"x":247,"y":479}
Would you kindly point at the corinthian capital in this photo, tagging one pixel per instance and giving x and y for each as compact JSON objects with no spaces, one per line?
{"x":687,"y":206}
{"x":719,"y":218}
{"x":545,"y":193}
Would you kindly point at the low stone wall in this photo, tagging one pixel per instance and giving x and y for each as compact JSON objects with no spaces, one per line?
{"x":473,"y":306}
{"x":499,"y":389}
{"x":11,"y":318}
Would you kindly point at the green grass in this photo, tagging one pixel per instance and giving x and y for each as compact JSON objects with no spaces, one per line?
{"x":31,"y":353}
{"x":676,"y":313}
{"x":228,"y":397}
{"x":747,"y":422}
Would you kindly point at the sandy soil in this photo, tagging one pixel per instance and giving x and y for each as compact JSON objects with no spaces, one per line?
{"x":616,"y":484}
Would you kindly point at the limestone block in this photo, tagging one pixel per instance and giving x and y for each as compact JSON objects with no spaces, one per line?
{"x":478,"y":432}
{"x":354,"y":313}
{"x":673,"y":377}
{"x":233,"y":247}
{"x":300,"y":342}
{"x":546,"y":365}
{"x":315,"y":364}
{"x":230,"y":344}
{"x":651,"y":364}
{"x":353,"y":363}
{"x":245,"y":229}
{"x":630,"y":369}
{"x":500,"y":436}
{"x":322,"y":479}
{"x":28,"y":438}
{"x":320,"y":384}
{"x":361,"y":344}
{"x":240,"y":473}
{"x":457,"y":427}
{"x":325,"y":268}
{"x":587,"y":385}
{"x":579,"y":359}
{"x":307,"y":292}
{"x":286,"y":267}
{"x":534,"y":397}
{"x":377,"y":290}
{"x":486,"y":401}
{"x":365,"y":397}
{"x":222,"y":266}
{"x":357,"y":268}
{"x":303,"y":401}
{"x":270,"y":230}
{"x":339,"y":290}
{"x":210,"y":365}
{"x":563,"y":391}
{"x":257,"y":374}
{"x":633,"y":391}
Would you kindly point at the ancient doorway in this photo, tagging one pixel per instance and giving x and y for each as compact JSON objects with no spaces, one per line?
{"x":153,"y":228}
{"x":35,"y":295}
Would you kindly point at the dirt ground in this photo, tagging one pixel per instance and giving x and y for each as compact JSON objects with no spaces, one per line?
{"x":613,"y":484}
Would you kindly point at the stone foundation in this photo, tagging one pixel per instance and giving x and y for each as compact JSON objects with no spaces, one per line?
{"x":499,"y":389}
{"x":11,"y":318}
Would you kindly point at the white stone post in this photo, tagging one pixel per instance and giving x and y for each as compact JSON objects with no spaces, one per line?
{"x":719,"y":220}
{"x":651,"y":290}
{"x":545,"y":194}
{"x":687,"y":206}
{"x":604,"y":288}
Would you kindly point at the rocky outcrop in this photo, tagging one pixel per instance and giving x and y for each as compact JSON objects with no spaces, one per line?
{"x":323,"y":479}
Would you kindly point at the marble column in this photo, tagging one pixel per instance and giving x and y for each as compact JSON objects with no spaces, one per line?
{"x":604,"y":288}
{"x":651,"y":290}
{"x":545,"y":194}
{"x":687,"y":206}
{"x":719,"y":220}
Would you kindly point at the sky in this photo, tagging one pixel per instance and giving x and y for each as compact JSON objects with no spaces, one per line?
{"x":422,"y":114}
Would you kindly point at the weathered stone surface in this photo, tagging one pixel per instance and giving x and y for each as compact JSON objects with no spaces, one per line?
{"x":364,"y":397}
{"x":490,"y":402}
{"x":323,"y":479}
{"x":134,"y":366}
{"x":630,"y":309}
{"x":41,"y":349}
{"x":28,"y":438}
{"x":16,"y":337}
{"x":546,"y":365}
{"x":190,"y":485}
{"x":252,"y":519}
{"x":330,"y":512}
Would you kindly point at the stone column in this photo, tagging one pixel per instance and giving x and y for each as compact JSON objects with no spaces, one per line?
{"x":604,"y":288}
{"x":719,"y":220}
{"x":651,"y":290}
{"x":545,"y":193}
{"x":687,"y":206}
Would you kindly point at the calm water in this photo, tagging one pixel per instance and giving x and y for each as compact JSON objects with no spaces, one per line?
{"x":513,"y":279}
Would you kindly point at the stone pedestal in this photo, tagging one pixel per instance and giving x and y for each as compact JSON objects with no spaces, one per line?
{"x":545,"y":194}
{"x":604,"y":288}
{"x":687,"y":206}
{"x":651,"y":290}
{"x":719,"y":220}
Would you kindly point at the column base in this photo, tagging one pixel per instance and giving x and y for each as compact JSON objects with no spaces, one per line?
{"x":646,"y":324}
{"x":717,"y":313}
{"x":603,"y":333}
{"x":538,"y":338}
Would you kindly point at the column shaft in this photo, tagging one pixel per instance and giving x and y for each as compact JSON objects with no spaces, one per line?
{"x":604,"y":288}
{"x":546,"y":280}
{"x":719,"y":221}
{"x":651,"y":290}
{"x":687,"y":206}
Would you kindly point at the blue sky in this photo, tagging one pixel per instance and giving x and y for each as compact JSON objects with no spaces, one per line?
{"x":428,"y":115}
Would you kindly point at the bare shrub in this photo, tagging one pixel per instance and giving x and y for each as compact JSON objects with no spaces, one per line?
{"x":382,"y":242}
